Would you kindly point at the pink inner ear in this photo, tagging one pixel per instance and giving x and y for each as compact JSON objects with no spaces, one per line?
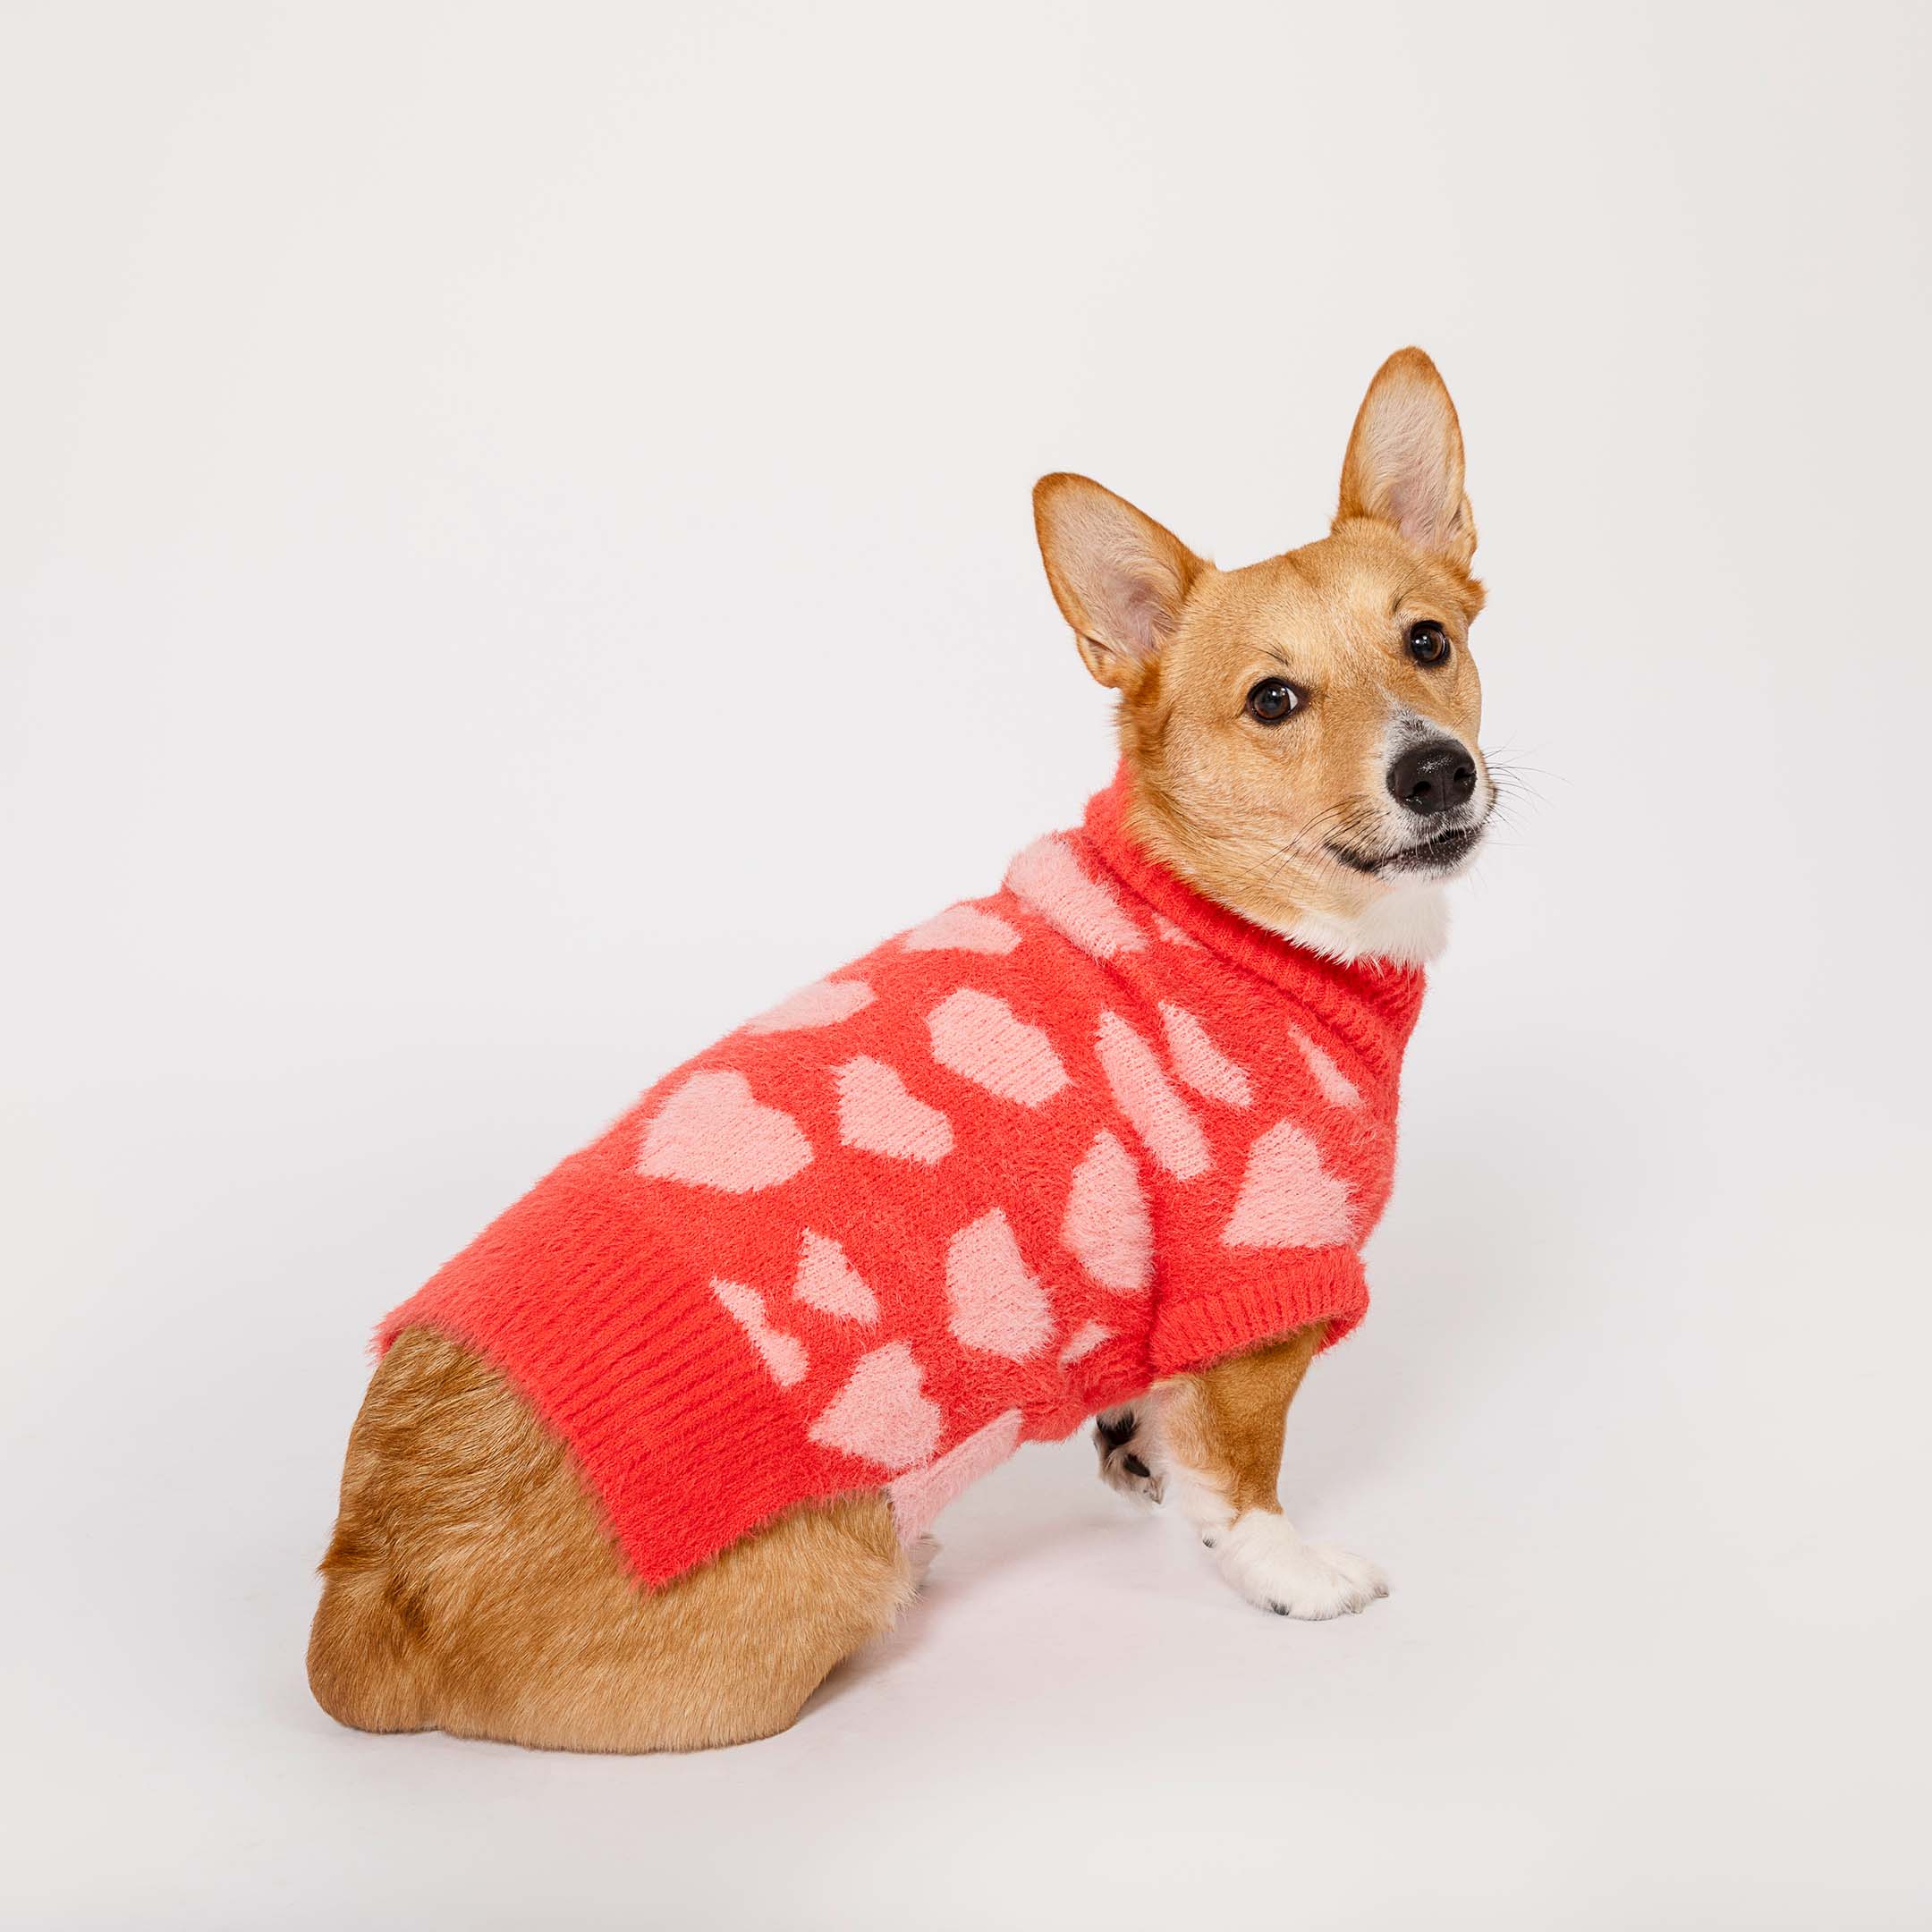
{"x":1410,"y":476}
{"x":1142,"y":595}
{"x":1424,"y":518}
{"x":1132,"y":591}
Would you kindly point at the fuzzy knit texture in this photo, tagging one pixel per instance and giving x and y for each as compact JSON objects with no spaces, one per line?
{"x":1005,"y":1171}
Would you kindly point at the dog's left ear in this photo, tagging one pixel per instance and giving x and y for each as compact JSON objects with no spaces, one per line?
{"x":1119,"y":578}
{"x":1404,"y":463}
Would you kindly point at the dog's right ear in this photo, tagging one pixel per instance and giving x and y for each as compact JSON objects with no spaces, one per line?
{"x":1119,"y":579}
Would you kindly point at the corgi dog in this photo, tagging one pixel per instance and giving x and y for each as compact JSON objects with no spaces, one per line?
{"x":648,"y":1461}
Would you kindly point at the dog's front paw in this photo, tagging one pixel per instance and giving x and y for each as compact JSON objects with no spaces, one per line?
{"x":1264,"y":1557}
{"x":1124,"y":1453}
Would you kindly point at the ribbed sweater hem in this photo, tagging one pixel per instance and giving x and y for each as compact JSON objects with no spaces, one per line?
{"x":1318,"y":1284}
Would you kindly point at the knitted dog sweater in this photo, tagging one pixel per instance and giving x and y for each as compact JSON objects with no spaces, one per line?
{"x":1003,"y":1172}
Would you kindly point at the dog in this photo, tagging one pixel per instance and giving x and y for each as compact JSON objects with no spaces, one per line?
{"x":648,"y":1461}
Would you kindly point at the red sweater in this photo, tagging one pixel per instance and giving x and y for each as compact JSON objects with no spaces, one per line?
{"x":1002,"y":1172}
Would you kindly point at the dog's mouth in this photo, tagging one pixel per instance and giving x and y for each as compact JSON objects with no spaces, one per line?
{"x":1434,"y":857}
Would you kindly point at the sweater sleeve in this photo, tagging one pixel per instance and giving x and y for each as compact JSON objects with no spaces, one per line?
{"x":1255,"y":1296}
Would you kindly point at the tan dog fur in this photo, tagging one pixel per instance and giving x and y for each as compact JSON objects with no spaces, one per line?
{"x":471,"y":1586}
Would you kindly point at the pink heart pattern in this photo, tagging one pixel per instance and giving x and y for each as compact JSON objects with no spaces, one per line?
{"x":713,"y":1132}
{"x":883,"y":1414}
{"x":1049,"y":878}
{"x":1200,"y":1063}
{"x":876,"y":1114}
{"x":823,"y":1003}
{"x":998,"y":1306}
{"x":784,"y":1355}
{"x":963,"y":928}
{"x":1336,"y":1088}
{"x":1288,"y":1198}
{"x":827,"y":1280}
{"x":981,"y":1038}
{"x":1083,"y":1341}
{"x":1147,"y":1097}
{"x":1107,"y":1225}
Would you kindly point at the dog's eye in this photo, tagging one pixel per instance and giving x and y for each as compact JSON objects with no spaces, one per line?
{"x":1429,"y":642}
{"x":1272,"y":700}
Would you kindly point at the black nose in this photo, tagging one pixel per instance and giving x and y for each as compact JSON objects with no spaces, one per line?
{"x":1432,"y":777}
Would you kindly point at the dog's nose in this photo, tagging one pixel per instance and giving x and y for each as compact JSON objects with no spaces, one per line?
{"x":1432,"y":777}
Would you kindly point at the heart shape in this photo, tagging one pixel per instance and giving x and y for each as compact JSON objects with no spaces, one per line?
{"x":1106,"y":1224}
{"x":784,"y":1355}
{"x":1200,"y":1063}
{"x":713,"y":1132}
{"x":876,"y":1114}
{"x":1047,"y":876}
{"x":981,"y":1038}
{"x":1337,"y":1088}
{"x":1288,"y":1198}
{"x":1083,"y":1341}
{"x":883,"y":1413}
{"x":1143,"y":1091}
{"x":827,"y":1280}
{"x":963,"y":928}
{"x":823,"y":1003}
{"x":999,"y":1307}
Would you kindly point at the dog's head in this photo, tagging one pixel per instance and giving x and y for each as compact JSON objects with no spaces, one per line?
{"x":1300,"y":734}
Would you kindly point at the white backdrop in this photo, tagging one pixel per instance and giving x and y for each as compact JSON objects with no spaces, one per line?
{"x":514,"y":551}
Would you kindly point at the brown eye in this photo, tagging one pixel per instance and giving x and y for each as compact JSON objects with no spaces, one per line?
{"x":1429,"y":642}
{"x":1272,"y":700}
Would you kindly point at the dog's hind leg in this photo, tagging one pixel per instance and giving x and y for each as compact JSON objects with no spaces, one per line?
{"x":471,"y":1587}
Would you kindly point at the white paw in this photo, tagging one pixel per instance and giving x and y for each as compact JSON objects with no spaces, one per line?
{"x":1264,"y":1557}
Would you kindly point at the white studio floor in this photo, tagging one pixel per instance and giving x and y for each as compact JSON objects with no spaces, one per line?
{"x":1619,"y":1682}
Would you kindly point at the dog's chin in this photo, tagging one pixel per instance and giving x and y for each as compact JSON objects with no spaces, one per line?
{"x":1426,"y":862}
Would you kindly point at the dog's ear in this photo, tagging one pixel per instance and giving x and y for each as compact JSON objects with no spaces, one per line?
{"x":1119,"y":579}
{"x":1405,"y":462}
